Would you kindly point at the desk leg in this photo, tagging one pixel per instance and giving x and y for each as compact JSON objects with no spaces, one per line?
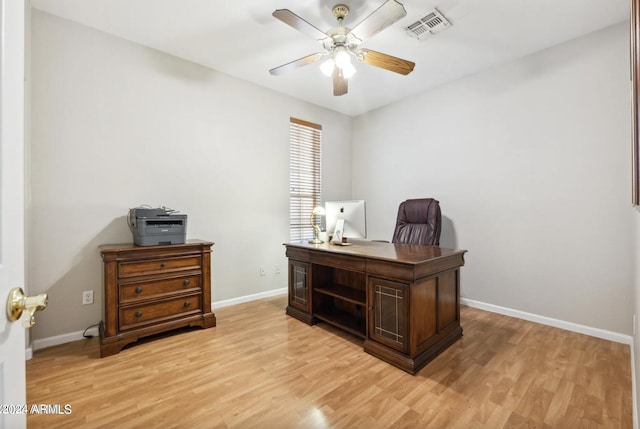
{"x":301,"y":315}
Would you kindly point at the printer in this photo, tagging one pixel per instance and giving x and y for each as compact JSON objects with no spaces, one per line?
{"x":156,"y":226}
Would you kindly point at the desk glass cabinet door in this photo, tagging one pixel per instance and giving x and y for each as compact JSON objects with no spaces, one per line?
{"x":299,"y":296}
{"x":388,"y":313}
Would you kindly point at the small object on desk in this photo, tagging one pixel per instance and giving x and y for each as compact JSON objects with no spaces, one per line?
{"x":318,"y":211}
{"x":337,"y":233}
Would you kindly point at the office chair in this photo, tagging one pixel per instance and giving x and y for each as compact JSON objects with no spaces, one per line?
{"x":419,"y":222}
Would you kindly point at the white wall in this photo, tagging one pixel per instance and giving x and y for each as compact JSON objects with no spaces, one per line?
{"x":116,"y":125}
{"x":530,"y":162}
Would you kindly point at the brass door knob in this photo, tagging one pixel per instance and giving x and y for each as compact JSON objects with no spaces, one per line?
{"x":18,"y":303}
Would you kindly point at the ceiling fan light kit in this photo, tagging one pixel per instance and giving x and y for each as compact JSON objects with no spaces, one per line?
{"x":342,"y":43}
{"x":340,"y":59}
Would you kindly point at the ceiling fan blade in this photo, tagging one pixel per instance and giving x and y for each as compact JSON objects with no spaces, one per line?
{"x":385,"y":61}
{"x":378,"y":20}
{"x":340,"y":84}
{"x":309,"y":59}
{"x":290,"y":18}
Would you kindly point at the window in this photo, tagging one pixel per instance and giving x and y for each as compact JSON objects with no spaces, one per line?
{"x":304,"y":176}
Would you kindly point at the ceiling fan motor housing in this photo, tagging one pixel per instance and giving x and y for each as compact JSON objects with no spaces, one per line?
{"x":340,"y":11}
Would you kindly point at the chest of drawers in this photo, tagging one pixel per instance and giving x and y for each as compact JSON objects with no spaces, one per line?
{"x":152,"y":289}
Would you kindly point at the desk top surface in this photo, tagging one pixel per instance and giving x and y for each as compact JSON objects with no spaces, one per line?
{"x":404,"y":253}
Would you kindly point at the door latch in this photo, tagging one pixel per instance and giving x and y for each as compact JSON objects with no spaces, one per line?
{"x":17,"y":303}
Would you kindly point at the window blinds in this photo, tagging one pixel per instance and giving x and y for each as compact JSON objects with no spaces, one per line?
{"x":304,"y":176}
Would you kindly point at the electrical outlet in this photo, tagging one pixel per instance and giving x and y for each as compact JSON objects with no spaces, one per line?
{"x":276,"y":269}
{"x":263,"y":272}
{"x":87,"y":297}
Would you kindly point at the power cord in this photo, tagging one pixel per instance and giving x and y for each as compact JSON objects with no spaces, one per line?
{"x":84,"y":334}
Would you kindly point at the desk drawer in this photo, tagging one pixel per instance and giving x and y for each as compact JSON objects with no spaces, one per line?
{"x":345,"y":262}
{"x":159,"y":288}
{"x":154,"y":266}
{"x":299,"y":254}
{"x":135,"y":316}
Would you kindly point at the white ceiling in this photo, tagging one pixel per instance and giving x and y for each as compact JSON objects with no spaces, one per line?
{"x":242,"y":39}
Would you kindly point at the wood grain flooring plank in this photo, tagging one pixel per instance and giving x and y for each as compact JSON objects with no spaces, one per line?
{"x":260,"y":368}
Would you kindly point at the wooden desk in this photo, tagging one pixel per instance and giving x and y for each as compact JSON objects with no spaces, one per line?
{"x":403,"y":300}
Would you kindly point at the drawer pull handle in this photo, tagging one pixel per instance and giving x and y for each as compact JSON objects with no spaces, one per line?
{"x":187,"y":303}
{"x":162,"y":265}
{"x":138,"y":313}
{"x":186,"y":282}
{"x":138,"y":289}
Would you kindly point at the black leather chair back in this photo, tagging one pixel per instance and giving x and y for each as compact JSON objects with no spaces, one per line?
{"x":419,"y":222}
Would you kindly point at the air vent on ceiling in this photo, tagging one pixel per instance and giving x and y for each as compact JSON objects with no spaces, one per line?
{"x":432,"y":23}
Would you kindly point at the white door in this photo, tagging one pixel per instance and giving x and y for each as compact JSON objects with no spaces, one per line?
{"x":12,"y":334}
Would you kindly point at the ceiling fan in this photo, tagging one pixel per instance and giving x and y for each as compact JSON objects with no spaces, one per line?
{"x":341,"y":43}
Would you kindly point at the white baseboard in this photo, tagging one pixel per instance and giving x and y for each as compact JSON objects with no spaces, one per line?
{"x":64,"y":338}
{"x":93,"y":331}
{"x":569,"y":326}
{"x":248,"y":298}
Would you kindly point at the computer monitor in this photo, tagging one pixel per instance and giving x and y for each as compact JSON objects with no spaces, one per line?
{"x":354,"y":214}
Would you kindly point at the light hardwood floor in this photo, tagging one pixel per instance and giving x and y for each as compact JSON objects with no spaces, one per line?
{"x":262,"y":369}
